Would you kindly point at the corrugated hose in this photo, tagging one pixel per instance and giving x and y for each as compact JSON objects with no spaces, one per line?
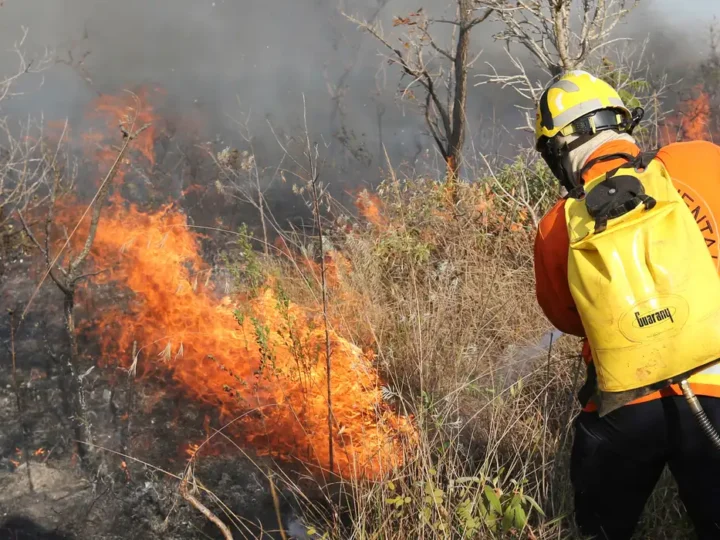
{"x":699,"y":414}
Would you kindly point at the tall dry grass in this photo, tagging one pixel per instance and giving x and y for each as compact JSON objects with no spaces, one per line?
{"x":445,"y":297}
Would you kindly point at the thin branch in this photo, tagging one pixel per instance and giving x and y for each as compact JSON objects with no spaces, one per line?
{"x":204,"y":510}
{"x":29,"y":232}
{"x":34,"y":240}
{"x":97,"y":208}
{"x":480,"y":19}
{"x":100,"y":194}
{"x":312,"y":158}
{"x":276,"y":505}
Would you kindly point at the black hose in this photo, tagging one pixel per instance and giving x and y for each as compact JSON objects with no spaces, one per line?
{"x":699,"y":414}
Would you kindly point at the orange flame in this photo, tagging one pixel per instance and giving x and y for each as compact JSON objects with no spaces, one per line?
{"x":270,"y":361}
{"x":132,"y":111}
{"x":129,"y":112}
{"x":370,"y":207}
{"x":260,"y":362}
{"x":692,"y":120}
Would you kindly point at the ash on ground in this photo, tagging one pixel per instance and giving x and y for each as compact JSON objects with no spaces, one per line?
{"x":44,"y":492}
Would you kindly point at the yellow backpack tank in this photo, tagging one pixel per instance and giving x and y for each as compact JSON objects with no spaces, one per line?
{"x":643,"y":280}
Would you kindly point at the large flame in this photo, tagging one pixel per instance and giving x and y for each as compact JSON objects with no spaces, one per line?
{"x":260,"y":360}
{"x":265,"y":354}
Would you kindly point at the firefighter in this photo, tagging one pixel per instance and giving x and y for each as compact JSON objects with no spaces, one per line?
{"x":584,"y":130}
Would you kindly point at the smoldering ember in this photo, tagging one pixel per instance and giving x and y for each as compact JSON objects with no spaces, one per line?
{"x":266,"y":268}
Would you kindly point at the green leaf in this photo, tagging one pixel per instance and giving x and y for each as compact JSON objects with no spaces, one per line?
{"x":391,"y":485}
{"x":514,"y":518}
{"x":311,"y":531}
{"x":535,"y":505}
{"x":433,"y":495}
{"x":493,"y":499}
{"x":482,"y":509}
{"x":507,"y":520}
{"x":520,"y":518}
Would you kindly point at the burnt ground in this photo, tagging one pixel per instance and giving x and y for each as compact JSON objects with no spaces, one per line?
{"x":116,"y":498}
{"x":48,"y":494}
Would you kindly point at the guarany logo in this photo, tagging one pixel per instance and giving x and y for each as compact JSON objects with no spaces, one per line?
{"x":648,"y":319}
{"x":665,"y":314}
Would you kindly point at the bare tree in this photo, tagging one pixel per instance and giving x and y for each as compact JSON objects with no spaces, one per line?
{"x":66,"y":270}
{"x":23,"y":169}
{"x":560,"y":35}
{"x":441,"y":73}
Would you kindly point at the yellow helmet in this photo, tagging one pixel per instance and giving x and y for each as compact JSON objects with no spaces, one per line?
{"x":573,"y":96}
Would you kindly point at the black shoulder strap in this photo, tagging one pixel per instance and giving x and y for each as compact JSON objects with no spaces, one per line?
{"x":588,"y":390}
{"x":640,"y":161}
{"x":579,"y":191}
{"x":643,"y":159}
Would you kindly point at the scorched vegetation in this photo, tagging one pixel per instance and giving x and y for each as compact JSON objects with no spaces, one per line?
{"x":384,"y":372}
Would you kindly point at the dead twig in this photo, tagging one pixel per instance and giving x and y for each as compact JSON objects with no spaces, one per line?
{"x":204,"y":510}
{"x":312,"y":155}
{"x":276,"y":504}
{"x":130,"y":382}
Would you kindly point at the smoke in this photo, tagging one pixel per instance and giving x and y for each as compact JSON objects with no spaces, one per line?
{"x":218,"y":56}
{"x":264,"y":59}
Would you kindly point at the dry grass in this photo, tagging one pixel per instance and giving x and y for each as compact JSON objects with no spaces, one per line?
{"x":445,"y":297}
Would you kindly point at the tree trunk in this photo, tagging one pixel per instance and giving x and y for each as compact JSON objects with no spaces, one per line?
{"x":456,"y":140}
{"x":81,"y":421}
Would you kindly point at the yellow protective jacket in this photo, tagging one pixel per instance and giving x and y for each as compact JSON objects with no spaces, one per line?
{"x":695,"y":170}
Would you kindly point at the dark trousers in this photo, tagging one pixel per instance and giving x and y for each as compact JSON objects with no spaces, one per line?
{"x":617,"y":460}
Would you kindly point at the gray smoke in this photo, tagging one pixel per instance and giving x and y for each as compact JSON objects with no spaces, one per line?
{"x":221,"y":58}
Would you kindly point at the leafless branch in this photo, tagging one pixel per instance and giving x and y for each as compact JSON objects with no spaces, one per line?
{"x":441,"y":72}
{"x":23,"y":66}
{"x":30,"y":234}
{"x":200,"y":507}
{"x":560,"y":35}
{"x":523,"y":199}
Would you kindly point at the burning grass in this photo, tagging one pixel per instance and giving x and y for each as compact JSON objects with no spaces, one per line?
{"x":450,"y":416}
{"x":449,"y":300}
{"x":238,"y":353}
{"x":256,"y":357}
